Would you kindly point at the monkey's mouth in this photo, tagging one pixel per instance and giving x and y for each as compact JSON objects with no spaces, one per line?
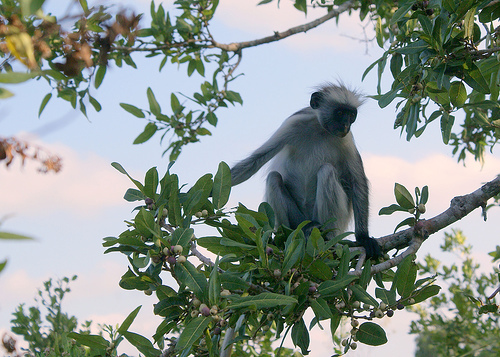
{"x":343,"y":133}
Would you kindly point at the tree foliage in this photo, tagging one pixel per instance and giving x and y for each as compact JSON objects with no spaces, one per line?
{"x":442,"y":56}
{"x":463,"y":319}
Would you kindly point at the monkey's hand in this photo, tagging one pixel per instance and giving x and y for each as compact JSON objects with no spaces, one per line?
{"x":371,"y":246}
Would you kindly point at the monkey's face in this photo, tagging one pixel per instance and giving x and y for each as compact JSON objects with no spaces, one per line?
{"x":338,"y":119}
{"x":334,"y":117}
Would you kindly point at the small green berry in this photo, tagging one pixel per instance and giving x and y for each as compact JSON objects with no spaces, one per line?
{"x":177,"y":249}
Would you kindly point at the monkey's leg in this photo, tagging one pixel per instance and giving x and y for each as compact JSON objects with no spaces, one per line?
{"x":278,"y":196}
{"x":331,"y":200}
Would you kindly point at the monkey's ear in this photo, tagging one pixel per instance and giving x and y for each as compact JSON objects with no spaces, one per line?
{"x":316,"y":98}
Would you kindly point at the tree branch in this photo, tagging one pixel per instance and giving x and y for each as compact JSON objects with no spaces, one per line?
{"x":237,"y":46}
{"x":460,"y":207}
{"x":413,"y":238}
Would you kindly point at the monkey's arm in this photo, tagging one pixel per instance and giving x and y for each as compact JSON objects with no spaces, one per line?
{"x":244,"y":169}
{"x":360,"y":206}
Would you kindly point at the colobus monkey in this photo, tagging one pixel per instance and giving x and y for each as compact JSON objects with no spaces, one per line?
{"x":317,"y":173}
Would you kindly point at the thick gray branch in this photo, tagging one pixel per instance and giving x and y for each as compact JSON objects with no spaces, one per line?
{"x":460,"y":207}
{"x":413,"y":238}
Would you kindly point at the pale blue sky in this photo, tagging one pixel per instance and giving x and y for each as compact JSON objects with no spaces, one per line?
{"x":70,"y":213}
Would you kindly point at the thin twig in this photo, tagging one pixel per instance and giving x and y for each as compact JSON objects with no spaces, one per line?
{"x":237,"y":46}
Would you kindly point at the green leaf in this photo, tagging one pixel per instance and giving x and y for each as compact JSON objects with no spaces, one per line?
{"x":232,"y":281}
{"x":182,"y":236}
{"x":169,"y":306}
{"x":410,"y":221}
{"x":203,"y":131}
{"x":412,"y":121}
{"x":222,"y":186}
{"x":366,"y":275}
{"x":13,"y":236}
{"x":192,"y":332}
{"x":128,"y":321}
{"x":425,"y":293}
{"x":148,"y":132}
{"x":458,"y":94}
{"x":174,"y":103}
{"x":361,"y":295}
{"x":426,"y":24}
{"x":122,"y":170}
{"x":475,"y":79}
{"x":151,"y":182}
{"x":3,"y":264}
{"x":194,"y":279}
{"x":197,"y":195}
{"x":133,"y":195}
{"x":396,"y":64}
{"x":321,"y":309}
{"x":133,"y":110}
{"x":425,"y":195}
{"x":214,"y":284}
{"x":231,"y":243}
{"x":406,"y":275}
{"x":262,"y":301}
{"x":468,"y":25}
{"x":388,"y":97}
{"x":391,"y":209}
{"x":191,"y":67}
{"x":142,"y":344}
{"x":145,"y":223}
{"x":320,"y":270}
{"x":29,"y":7}
{"x":371,"y":334}
{"x":154,"y":107}
{"x":293,"y":253}
{"x":212,"y":118}
{"x":447,"y":122}
{"x":379,"y":33}
{"x":174,"y":205}
{"x":4,"y":93}
{"x":332,"y":287}
{"x":334,"y":324}
{"x":345,"y":260}
{"x":300,"y":336}
{"x":99,"y":76}
{"x":234,"y":97}
{"x":401,"y":12}
{"x":45,"y":100}
{"x":97,"y":106}
{"x":95,"y":342}
{"x":413,"y":48}
{"x":18,"y":77}
{"x":403,"y":197}
{"x":84,"y":5}
{"x":387,"y":296}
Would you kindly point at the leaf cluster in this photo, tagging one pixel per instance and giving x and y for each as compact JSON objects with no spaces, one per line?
{"x":66,"y":53}
{"x":70,"y":55}
{"x":443,"y":58}
{"x":463,"y":319}
{"x":262,"y":280}
{"x":46,"y":328}
{"x":406,"y":203}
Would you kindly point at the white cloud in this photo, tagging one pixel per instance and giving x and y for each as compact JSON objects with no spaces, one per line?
{"x":87,"y":184}
{"x":444,"y":176}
